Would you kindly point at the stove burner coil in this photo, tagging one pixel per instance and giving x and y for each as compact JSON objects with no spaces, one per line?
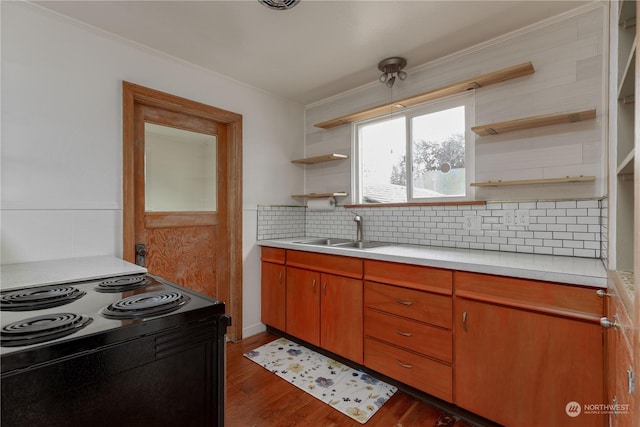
{"x":39,"y":297}
{"x":121,"y":284}
{"x":145,"y":305}
{"x":42,"y":328}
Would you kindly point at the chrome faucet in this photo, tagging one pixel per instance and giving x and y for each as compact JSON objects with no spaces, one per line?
{"x":358,"y":220}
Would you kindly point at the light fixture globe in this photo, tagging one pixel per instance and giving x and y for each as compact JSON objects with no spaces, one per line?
{"x":392,"y":67}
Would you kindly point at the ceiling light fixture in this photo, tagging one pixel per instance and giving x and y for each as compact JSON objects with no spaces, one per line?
{"x":392,"y":68}
{"x":279,"y":4}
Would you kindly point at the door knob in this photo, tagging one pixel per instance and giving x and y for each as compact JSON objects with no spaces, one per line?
{"x":141,"y":253}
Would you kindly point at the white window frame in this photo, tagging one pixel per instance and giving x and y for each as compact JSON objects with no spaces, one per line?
{"x":466,"y":100}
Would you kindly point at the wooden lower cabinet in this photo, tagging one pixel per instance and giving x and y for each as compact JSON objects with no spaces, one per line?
{"x":273,"y":289}
{"x":520,"y":352}
{"x":325,"y":310}
{"x":524,"y":365}
{"x":303,"y":304}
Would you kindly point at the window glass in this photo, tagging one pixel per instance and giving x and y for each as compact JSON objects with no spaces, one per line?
{"x":180,"y":170}
{"x":430,"y":144}
{"x":438,"y":153}
{"x":382,"y":160}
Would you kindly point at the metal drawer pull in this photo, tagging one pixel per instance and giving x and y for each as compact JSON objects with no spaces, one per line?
{"x":404,"y":365}
{"x":399,"y":301}
{"x":404,"y":334}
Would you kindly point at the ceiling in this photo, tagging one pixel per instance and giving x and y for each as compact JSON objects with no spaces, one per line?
{"x":318,"y":48}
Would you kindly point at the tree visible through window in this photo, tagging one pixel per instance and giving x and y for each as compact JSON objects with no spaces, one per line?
{"x":433,"y":138}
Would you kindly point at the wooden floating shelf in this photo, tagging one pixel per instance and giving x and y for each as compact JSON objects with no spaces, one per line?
{"x":452,"y":89}
{"x":320,"y":195}
{"x":320,"y":159}
{"x":499,"y":183}
{"x":533,"y":122}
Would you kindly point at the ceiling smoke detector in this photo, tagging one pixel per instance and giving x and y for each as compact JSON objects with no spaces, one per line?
{"x":392,"y":67}
{"x":279,"y":4}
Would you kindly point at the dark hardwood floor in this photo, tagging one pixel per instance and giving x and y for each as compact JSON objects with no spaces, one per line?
{"x":258,"y":398}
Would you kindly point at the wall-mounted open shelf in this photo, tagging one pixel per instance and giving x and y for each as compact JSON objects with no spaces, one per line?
{"x":320,"y":195}
{"x":533,"y":122}
{"x":500,"y":183}
{"x":452,"y":89}
{"x":626,"y":166}
{"x":320,"y":159}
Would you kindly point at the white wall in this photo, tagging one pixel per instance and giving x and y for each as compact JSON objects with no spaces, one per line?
{"x":62,"y":139}
{"x":569,"y":56}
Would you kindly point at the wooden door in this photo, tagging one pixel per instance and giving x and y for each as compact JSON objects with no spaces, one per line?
{"x":182,"y":246}
{"x":274,"y":295}
{"x":199,"y":248}
{"x":303,"y":304}
{"x":341,"y":326}
{"x":521,"y":368}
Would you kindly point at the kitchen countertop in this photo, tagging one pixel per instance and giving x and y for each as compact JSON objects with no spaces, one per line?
{"x":549,"y":268}
{"x":64,"y":270}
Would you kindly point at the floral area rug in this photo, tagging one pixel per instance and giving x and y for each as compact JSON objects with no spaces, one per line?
{"x":354,"y":393}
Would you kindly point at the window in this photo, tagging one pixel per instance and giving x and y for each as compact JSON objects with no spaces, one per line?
{"x":431,"y":144}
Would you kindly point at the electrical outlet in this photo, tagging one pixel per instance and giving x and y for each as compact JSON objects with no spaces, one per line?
{"x":508,"y":218}
{"x":472,"y":223}
{"x":522,"y":217}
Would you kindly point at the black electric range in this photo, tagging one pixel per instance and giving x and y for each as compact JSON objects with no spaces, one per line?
{"x":126,"y":350}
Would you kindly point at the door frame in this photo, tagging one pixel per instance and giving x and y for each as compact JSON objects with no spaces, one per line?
{"x":229,"y":275}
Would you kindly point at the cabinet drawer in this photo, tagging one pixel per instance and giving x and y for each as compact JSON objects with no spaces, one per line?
{"x":334,"y":264}
{"x":422,"y":306}
{"x":417,"y":371}
{"x":410,"y":276}
{"x":418,"y":337}
{"x":577,"y":302}
{"x":274,"y":255}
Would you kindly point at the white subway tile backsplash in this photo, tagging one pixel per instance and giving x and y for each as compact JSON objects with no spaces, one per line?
{"x":568,"y":227}
{"x":588,"y":204}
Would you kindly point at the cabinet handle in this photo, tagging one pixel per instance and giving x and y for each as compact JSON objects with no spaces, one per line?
{"x":607,"y":323}
{"x":280,"y":277}
{"x":399,"y":301}
{"x":314,"y":285}
{"x":464,"y":321}
{"x":404,"y":334}
{"x":602,"y":293}
{"x":324,"y":286}
{"x":404,"y":365}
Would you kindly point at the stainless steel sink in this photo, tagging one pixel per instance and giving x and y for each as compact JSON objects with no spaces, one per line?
{"x":362,"y":245}
{"x":325,"y":241}
{"x":343,"y":243}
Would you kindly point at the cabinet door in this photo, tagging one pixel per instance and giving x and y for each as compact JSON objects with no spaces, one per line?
{"x":521,"y":368}
{"x":274,"y":293}
{"x":341,"y":314}
{"x":303,"y":304}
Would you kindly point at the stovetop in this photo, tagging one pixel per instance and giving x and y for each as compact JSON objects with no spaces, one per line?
{"x":98,"y":313}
